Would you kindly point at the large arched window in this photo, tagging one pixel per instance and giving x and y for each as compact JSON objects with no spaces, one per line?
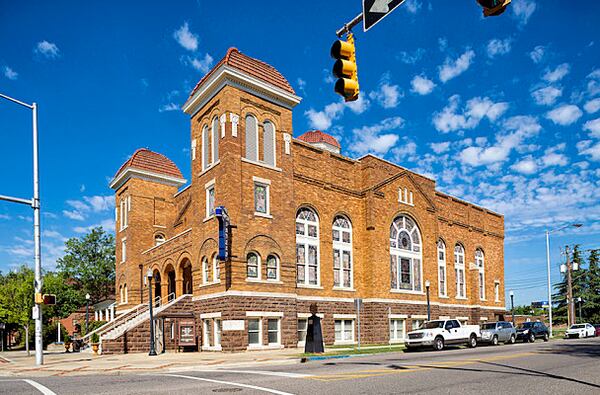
{"x":459,"y":270}
{"x":272,"y":268}
{"x":251,"y":138}
{"x":216,"y":269}
{"x":159,"y":238}
{"x":342,"y":253}
{"x":253,"y":265}
{"x":205,"y":270}
{"x":405,"y":251}
{"x":205,"y":148}
{"x":215,"y":139}
{"x":269,"y":143}
{"x":442,"y":284}
{"x":307,"y":248}
{"x":479,"y":262}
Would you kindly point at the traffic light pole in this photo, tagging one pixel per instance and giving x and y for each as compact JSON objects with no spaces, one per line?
{"x":35,"y":204}
{"x":348,"y":26}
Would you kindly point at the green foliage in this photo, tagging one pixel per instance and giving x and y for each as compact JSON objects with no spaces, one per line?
{"x":90,"y":261}
{"x":16,"y":296}
{"x":94,"y":339}
{"x":50,"y":333}
{"x":92,"y":326}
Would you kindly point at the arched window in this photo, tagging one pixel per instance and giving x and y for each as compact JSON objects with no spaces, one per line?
{"x":121,"y":298}
{"x":441,"y":250}
{"x":251,"y":138}
{"x":125,"y":292}
{"x":405,"y":251}
{"x":459,"y":270}
{"x":253,"y":265}
{"x":215,"y":139}
{"x":159,"y":238}
{"x":342,"y":252}
{"x":479,"y":262}
{"x":205,"y":148}
{"x":307,"y":248}
{"x":216,"y":269}
{"x":272,"y":268}
{"x":269,"y":143}
{"x":205,"y":270}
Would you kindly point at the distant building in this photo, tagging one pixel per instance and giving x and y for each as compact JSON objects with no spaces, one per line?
{"x":311,"y":226}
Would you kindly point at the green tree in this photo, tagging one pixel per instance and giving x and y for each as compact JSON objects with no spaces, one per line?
{"x":578,"y":280}
{"x":591,"y":294}
{"x":16,"y":297}
{"x":90,"y":262}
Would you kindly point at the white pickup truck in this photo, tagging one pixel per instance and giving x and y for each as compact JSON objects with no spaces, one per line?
{"x":439,"y":333}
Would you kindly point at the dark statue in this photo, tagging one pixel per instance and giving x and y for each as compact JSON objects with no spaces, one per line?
{"x":314,"y":334}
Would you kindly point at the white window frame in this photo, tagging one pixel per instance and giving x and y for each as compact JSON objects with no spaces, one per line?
{"x":274,"y":164}
{"x":278,"y":343}
{"x":480,"y":264}
{"x":267,"y":185}
{"x":218,"y":332}
{"x":123,"y":249}
{"x":126,"y":293}
{"x":260,"y":330}
{"x":414,"y":254}
{"x":193,"y":153}
{"x":214,"y":139}
{"x":204,"y":270}
{"x":208,"y":187}
{"x":277,"y":269}
{"x":207,"y":335}
{"x":405,"y":196}
{"x":459,"y":252}
{"x":124,"y":217}
{"x":216,"y":269}
{"x":256,"y":159}
{"x":496,"y":291}
{"x":441,"y":250}
{"x":340,"y":246}
{"x":258,"y":266}
{"x":159,"y":239}
{"x":343,"y":323}
{"x":206,"y":156}
{"x":394,"y":325}
{"x":308,"y":241}
{"x":301,"y":343}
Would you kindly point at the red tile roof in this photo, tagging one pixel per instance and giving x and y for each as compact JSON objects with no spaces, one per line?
{"x":254,"y":67}
{"x":316,"y":136}
{"x":144,"y":159}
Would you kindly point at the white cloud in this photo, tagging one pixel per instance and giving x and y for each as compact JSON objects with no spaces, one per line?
{"x":537,"y":54}
{"x":410,"y":57}
{"x":422,"y":85}
{"x":440,"y":148}
{"x":592,"y":106}
{"x":522,"y":10}
{"x":359,"y":105}
{"x":450,"y":119}
{"x":387,"y":95}
{"x":406,"y":151}
{"x":453,"y":68}
{"x":73,"y":214}
{"x":186,"y":38}
{"x":47,"y":49}
{"x":498,"y":47}
{"x":201,"y":64}
{"x":322,"y":120}
{"x":412,"y":6}
{"x":301,"y":85}
{"x":376,"y":138}
{"x":564,"y":115}
{"x":558,"y":73}
{"x":593,"y":127}
{"x":525,"y":166}
{"x":95,"y":204}
{"x":546,"y":96}
{"x":168,"y":107}
{"x":586,"y":148}
{"x":100,"y":203}
{"x":10,"y":73}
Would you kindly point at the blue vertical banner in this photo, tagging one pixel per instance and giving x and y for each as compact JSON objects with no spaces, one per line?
{"x":223,"y":218}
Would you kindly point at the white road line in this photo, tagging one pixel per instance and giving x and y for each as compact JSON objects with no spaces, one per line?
{"x":258,"y":372}
{"x":254,"y":387}
{"x":39,"y":387}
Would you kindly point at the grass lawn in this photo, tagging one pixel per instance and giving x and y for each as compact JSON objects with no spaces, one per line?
{"x":354,"y":350}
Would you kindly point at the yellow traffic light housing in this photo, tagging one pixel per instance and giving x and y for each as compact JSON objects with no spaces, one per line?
{"x":493,"y":7}
{"x":345,"y":68}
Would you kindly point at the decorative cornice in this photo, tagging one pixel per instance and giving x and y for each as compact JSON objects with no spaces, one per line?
{"x":132,"y":172}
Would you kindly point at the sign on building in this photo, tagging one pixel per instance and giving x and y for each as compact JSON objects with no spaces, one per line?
{"x":223,"y":218}
{"x":186,"y":336}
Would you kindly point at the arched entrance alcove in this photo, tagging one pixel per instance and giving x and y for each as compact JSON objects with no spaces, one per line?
{"x":171,"y":283}
{"x":157,"y":287}
{"x":186,"y":276}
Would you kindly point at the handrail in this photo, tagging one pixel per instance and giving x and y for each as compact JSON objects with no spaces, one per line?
{"x":110,"y":324}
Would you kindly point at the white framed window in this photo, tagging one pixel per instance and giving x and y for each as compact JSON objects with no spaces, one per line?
{"x":123,"y":250}
{"x":204,"y":270}
{"x":272,"y":268}
{"x":205,"y":148}
{"x":307,"y":248}
{"x":126,"y":294}
{"x":480,"y":264}
{"x":397,"y":330}
{"x":216,"y":269}
{"x":124,"y":209}
{"x":302,"y":328}
{"x":496,"y":291}
{"x":269,"y":143}
{"x":207,"y":332}
{"x":262,"y":199}
{"x":405,"y":252}
{"x":254,"y":332}
{"x":273,"y":331}
{"x":342,"y":253}
{"x":251,"y":138}
{"x":459,"y":270}
{"x":218,"y":324}
{"x":159,"y":238}
{"x":405,"y":196}
{"x":442,"y":282}
{"x":121,"y":298}
{"x":253,"y":265}
{"x":210,"y":198}
{"x":193,"y":150}
{"x":215,"y":139}
{"x":344,"y":331}
{"x":416,"y":324}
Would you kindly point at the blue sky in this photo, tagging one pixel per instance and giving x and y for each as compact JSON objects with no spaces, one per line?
{"x":503,"y":112}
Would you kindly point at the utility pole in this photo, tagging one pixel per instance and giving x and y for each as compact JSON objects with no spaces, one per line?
{"x":570,"y":305}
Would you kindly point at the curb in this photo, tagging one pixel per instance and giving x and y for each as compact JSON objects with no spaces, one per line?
{"x":325,"y":357}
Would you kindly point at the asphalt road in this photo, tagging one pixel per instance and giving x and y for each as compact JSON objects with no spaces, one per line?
{"x":558,"y":367}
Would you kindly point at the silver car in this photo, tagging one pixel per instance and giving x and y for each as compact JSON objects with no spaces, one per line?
{"x":496,"y":332}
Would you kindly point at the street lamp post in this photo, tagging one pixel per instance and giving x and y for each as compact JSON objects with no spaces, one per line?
{"x":427,"y":285}
{"x":548,"y":269}
{"x":87,"y":312}
{"x":579,"y":300}
{"x":152,"y":349}
{"x":35,"y":205}
{"x":512,"y":306}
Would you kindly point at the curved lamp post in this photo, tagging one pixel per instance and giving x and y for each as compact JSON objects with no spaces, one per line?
{"x":152,"y":349}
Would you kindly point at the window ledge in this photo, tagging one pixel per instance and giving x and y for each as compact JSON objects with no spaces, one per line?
{"x":309,"y":286}
{"x":397,"y":341}
{"x":209,"y":168}
{"x":261,"y":164}
{"x":124,"y":228}
{"x":344,"y":289}
{"x":443,"y":297}
{"x":209,"y":284}
{"x":258,"y":280}
{"x":263,"y":215}
{"x":344,"y":342}
{"x":253,"y":347}
{"x":211,"y":348}
{"x":208,"y":218}
{"x":460,"y":298}
{"x":406,"y":291}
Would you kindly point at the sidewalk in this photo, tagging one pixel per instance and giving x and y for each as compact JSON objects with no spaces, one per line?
{"x":18,"y":364}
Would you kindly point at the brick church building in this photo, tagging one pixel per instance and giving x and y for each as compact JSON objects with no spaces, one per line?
{"x":310,"y":225}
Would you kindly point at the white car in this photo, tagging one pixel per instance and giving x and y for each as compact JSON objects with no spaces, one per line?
{"x":439,"y":333}
{"x":581,"y":330}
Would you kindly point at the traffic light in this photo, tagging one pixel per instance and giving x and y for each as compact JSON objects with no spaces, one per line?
{"x":345,"y":69}
{"x":47,"y":299}
{"x":493,"y":7}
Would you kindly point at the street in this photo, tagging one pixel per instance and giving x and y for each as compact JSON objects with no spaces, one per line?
{"x":557,"y":367}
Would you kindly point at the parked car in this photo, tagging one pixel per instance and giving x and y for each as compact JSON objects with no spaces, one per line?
{"x":495,"y":332}
{"x":439,"y":333}
{"x":529,"y":331}
{"x":597,"y":327}
{"x":580,"y":330}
